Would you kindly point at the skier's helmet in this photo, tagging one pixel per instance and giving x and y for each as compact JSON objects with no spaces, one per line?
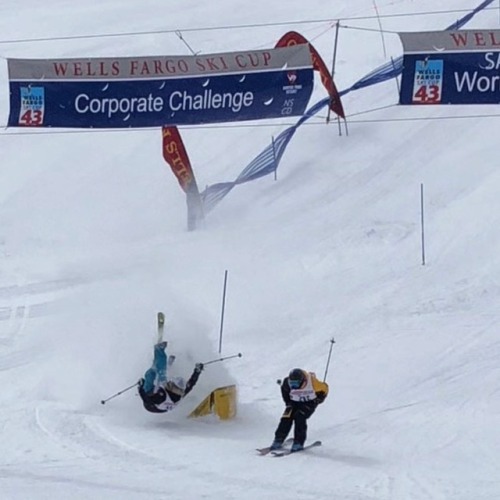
{"x":177,"y":385}
{"x":296,"y":378}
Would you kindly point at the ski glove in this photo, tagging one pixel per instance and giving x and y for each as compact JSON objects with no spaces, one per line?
{"x":140,"y":383}
{"x":198,"y":368}
{"x":320,"y":396}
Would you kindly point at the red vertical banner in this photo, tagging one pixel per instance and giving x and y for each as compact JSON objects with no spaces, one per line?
{"x":176,"y":156}
{"x":294,"y":38}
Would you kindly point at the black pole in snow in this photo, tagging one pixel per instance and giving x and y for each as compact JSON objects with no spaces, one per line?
{"x":422,"y":222}
{"x":222,"y":311}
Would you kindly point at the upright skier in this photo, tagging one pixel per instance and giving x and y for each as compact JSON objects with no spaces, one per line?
{"x":302,"y":392}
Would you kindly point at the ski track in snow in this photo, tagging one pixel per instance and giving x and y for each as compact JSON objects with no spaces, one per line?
{"x":85,"y":439}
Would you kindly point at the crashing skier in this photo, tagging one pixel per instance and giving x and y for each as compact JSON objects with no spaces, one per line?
{"x":160,"y":394}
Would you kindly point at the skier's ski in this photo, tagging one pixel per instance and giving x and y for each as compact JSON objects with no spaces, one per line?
{"x":267,"y":449}
{"x":161,"y":324}
{"x":284,"y":453}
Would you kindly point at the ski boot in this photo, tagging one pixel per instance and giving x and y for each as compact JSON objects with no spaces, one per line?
{"x":276,"y":445}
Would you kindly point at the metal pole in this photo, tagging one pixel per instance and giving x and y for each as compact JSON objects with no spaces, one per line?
{"x":104,"y":401}
{"x":397,"y":81}
{"x":223,"y":359}
{"x":380,"y":26}
{"x":332,"y":341}
{"x":179,"y":34}
{"x":274,"y":160}
{"x":334,"y":59}
{"x":422,"y":221}
{"x":346,"y":128}
{"x":222,"y":311}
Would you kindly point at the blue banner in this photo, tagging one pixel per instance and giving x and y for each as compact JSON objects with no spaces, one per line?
{"x":455,"y":78}
{"x":454,"y":67}
{"x":149,"y":103}
{"x":160,"y":91}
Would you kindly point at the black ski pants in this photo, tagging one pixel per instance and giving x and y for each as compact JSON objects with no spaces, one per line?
{"x":297,"y":414}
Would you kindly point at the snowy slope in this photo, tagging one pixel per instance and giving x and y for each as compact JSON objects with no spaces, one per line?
{"x":93,"y":244}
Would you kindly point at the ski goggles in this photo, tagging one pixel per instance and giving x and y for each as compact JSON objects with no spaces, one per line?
{"x":294,"y":384}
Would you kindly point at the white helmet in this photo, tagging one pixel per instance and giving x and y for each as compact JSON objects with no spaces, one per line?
{"x":177,"y":385}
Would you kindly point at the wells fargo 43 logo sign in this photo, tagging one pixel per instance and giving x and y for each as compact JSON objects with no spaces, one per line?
{"x":451,"y":67}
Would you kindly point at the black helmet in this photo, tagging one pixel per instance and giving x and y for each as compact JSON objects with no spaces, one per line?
{"x":296,"y":378}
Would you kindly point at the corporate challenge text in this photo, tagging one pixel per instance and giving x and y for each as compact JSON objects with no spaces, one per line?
{"x":177,"y":101}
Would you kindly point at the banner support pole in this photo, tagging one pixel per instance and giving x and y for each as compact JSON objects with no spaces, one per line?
{"x":334,"y":60}
{"x":179,"y":34}
{"x":345,"y":126}
{"x":274,"y":160}
{"x":380,"y":27}
{"x":397,"y":81}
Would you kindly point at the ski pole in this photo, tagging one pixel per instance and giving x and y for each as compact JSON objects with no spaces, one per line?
{"x":223,"y":359}
{"x":332,"y":341}
{"x":104,"y":401}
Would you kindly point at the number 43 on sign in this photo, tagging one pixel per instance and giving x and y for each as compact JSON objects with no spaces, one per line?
{"x":427,"y":94}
